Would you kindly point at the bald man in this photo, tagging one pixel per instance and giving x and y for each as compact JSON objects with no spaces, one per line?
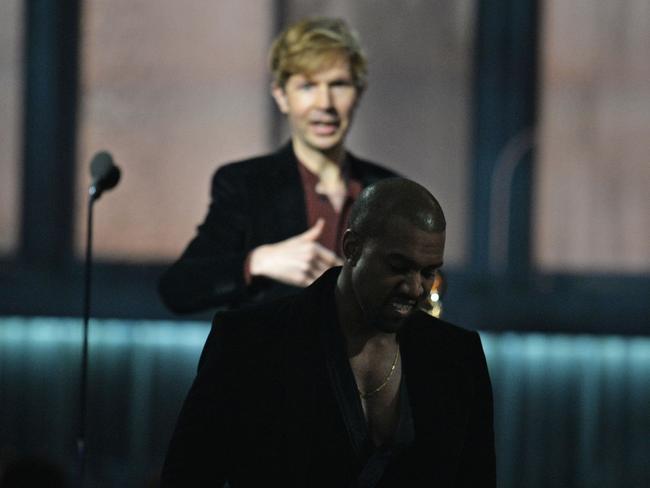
{"x":347,"y":384}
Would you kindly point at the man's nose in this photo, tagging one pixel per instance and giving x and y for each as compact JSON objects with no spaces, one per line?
{"x":413,"y":285}
{"x":324,"y":97}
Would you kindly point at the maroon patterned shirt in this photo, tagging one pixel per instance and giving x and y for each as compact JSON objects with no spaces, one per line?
{"x":319,"y":206}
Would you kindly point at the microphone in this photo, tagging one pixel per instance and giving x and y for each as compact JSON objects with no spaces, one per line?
{"x":104,"y":173}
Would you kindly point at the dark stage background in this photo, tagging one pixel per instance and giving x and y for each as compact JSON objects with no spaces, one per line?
{"x":529,"y":119}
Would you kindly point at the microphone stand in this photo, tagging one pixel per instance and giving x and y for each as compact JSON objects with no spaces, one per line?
{"x":83,"y":387}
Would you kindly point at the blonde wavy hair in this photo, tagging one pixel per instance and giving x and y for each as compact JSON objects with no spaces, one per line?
{"x":313,"y":44}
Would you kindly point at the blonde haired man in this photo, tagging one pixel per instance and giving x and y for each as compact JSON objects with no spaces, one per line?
{"x":275,"y":222}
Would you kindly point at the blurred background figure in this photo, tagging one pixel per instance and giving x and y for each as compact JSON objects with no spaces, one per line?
{"x":275,"y":222}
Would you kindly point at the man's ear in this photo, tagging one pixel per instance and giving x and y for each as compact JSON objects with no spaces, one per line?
{"x":280,"y":97}
{"x":351,"y":246}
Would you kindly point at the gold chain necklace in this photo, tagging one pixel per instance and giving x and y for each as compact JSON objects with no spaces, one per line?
{"x":368,"y":394}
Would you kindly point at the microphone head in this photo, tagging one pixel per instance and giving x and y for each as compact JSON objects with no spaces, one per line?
{"x":104,"y":173}
{"x":101,"y":164}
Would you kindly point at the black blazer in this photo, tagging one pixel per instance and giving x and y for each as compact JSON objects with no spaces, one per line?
{"x":254,"y":202}
{"x":264,"y":409}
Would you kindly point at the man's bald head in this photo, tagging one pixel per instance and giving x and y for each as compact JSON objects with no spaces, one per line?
{"x":392,"y":249}
{"x":395,"y":197}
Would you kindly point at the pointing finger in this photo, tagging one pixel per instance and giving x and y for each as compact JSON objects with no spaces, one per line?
{"x":314,"y":231}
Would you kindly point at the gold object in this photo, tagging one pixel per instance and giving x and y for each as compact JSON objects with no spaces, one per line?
{"x":368,"y":394}
{"x":433,"y":304}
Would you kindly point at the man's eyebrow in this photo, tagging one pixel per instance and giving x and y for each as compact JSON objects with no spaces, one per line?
{"x":409,"y":262}
{"x":399,"y":257}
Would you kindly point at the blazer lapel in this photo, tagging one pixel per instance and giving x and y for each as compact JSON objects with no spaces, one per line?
{"x":340,"y":377}
{"x":313,"y":418}
{"x":303,"y":378}
{"x":289,"y":197}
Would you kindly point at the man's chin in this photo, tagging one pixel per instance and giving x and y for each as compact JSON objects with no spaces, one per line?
{"x":390,"y":325}
{"x":326,"y":142}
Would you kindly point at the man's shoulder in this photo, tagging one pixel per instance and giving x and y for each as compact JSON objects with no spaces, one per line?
{"x":292,"y":316}
{"x":369,"y":171}
{"x":283,"y":159}
{"x":262,"y":322}
{"x":256,"y":166}
{"x":440,"y":336}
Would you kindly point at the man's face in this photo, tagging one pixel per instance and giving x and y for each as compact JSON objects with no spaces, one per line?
{"x":394,"y":273}
{"x":319,"y":106}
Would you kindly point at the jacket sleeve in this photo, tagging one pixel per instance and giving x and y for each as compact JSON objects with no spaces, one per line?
{"x":198,"y":454}
{"x":478,"y":462}
{"x":210,"y":272}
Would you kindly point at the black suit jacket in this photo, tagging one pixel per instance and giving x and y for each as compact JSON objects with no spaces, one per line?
{"x":254,"y":202}
{"x":265,"y":410}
